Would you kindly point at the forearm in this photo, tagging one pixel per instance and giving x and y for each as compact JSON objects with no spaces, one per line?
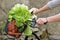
{"x":55,"y":18}
{"x":44,"y":8}
{"x":50,"y":5}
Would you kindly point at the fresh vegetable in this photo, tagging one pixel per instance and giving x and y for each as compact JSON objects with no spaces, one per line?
{"x":28,"y":31}
{"x":21,"y":14}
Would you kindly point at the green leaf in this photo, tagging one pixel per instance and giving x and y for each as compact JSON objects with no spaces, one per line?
{"x":21,"y":14}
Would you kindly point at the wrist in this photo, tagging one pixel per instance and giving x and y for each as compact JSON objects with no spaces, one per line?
{"x":46,"y":21}
{"x":38,"y":11}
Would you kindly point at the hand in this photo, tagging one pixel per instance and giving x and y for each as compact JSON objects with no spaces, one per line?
{"x":35,"y":10}
{"x":41,"y":21}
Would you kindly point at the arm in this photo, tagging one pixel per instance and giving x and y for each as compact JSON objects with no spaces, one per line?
{"x":44,"y":8}
{"x":50,"y":5}
{"x":55,"y":18}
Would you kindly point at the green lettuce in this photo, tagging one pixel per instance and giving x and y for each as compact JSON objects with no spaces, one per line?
{"x":21,"y":14}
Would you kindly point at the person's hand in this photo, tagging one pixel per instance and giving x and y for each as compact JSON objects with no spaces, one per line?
{"x":35,"y":10}
{"x":41,"y":21}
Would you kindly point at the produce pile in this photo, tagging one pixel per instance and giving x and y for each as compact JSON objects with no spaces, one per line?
{"x":21,"y":14}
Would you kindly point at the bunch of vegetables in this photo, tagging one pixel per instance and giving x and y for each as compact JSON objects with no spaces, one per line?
{"x":21,"y":14}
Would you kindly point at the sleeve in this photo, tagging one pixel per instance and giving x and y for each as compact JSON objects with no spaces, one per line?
{"x":52,"y":4}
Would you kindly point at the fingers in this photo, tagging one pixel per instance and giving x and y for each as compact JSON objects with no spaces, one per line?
{"x":34,"y":10}
{"x":41,"y":21}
